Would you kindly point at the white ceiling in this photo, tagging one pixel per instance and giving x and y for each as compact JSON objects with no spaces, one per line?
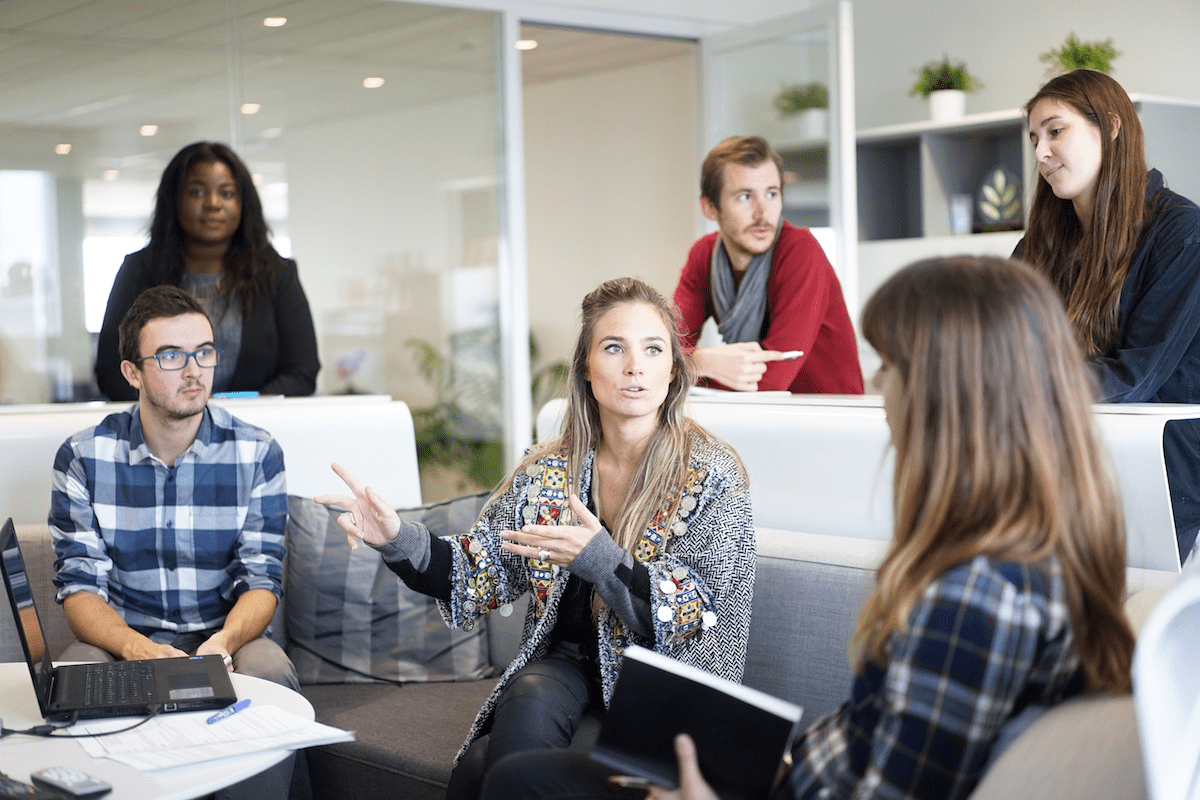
{"x":91,"y":72}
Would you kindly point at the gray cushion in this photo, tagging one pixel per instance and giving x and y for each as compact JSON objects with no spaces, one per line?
{"x":351,"y":620}
{"x":804,"y":615}
{"x":1084,"y":749}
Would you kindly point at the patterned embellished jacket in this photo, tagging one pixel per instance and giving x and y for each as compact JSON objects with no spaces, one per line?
{"x":701,"y":563}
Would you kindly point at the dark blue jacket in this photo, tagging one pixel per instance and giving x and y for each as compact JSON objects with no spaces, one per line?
{"x":1156,"y":356}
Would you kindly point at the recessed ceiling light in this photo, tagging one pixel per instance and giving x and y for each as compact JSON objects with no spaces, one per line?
{"x":272,"y":133}
{"x":526,"y":44}
{"x":275,"y":22}
{"x":62,"y":149}
{"x":110,"y":174}
{"x":251,"y":108}
{"x":148,"y":130}
{"x":372,"y":83}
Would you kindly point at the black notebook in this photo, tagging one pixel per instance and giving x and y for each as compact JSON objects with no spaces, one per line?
{"x":113,"y":689}
{"x":741,"y":733}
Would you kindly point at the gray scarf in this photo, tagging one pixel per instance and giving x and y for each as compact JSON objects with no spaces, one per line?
{"x":741,"y":310}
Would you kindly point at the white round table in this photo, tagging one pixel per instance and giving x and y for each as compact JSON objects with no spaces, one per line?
{"x":21,"y":755}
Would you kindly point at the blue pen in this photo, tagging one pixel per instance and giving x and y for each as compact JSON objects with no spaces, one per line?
{"x":228,"y":711}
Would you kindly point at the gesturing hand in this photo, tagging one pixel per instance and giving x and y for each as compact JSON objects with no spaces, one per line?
{"x":368,"y":516}
{"x":558,"y":544}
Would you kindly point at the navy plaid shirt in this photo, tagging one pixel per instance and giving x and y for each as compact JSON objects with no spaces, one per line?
{"x":170,"y":548}
{"x":986,"y":639}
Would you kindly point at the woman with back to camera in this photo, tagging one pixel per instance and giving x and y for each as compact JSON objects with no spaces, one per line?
{"x":1124,"y":254}
{"x":633,"y":526}
{"x":1001,"y":591}
{"x":208,"y":236}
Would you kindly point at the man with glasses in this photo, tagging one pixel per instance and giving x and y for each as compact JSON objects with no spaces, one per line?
{"x":168,"y":518}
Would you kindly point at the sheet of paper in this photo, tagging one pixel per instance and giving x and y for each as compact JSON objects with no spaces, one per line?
{"x":173,"y":740}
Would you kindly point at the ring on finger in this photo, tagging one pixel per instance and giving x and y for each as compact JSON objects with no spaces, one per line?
{"x":543,"y":554}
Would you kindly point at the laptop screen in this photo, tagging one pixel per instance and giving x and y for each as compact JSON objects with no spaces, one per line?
{"x":29,"y":626}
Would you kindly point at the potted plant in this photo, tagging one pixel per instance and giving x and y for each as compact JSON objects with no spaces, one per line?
{"x":808,"y":104}
{"x":946,"y":85}
{"x":1074,"y":54}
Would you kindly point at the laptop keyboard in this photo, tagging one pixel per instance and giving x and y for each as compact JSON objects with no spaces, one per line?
{"x":118,"y":683}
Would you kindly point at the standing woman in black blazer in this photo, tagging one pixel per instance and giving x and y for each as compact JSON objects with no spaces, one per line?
{"x":208,"y":236}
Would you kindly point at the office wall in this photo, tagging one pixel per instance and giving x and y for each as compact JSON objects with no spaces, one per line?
{"x":1001,"y":42}
{"x":611,"y":187}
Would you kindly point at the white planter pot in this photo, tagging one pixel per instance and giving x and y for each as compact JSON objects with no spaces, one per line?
{"x":947,"y":104}
{"x":812,"y":123}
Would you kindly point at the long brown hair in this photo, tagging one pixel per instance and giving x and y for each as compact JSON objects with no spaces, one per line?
{"x":1089,"y":268}
{"x":996,"y":453}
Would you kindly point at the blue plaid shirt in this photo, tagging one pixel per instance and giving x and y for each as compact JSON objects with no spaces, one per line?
{"x":986,"y":639}
{"x":170,"y":548}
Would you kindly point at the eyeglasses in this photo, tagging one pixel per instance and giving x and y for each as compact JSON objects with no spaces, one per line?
{"x":172,"y":360}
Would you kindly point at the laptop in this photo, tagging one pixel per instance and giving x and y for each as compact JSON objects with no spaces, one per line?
{"x":112,"y":689}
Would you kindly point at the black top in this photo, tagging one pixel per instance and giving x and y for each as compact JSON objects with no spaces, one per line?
{"x":279,"y":345}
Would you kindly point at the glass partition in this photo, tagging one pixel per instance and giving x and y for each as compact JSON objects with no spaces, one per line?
{"x":373,"y":130}
{"x":791,"y":81}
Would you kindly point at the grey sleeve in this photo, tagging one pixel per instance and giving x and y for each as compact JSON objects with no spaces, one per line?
{"x":621,"y":582}
{"x":411,"y":544}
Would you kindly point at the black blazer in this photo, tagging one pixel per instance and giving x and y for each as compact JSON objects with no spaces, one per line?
{"x":279,"y":344}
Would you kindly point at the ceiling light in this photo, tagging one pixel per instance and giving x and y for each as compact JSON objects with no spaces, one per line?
{"x":526,"y":44}
{"x":275,"y":22}
{"x":272,"y":133}
{"x":62,"y":149}
{"x":251,"y":108}
{"x":372,"y":83}
{"x":148,"y":130}
{"x":110,"y":174}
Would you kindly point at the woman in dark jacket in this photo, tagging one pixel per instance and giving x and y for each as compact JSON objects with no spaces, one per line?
{"x":208,"y":236}
{"x":1124,"y":253}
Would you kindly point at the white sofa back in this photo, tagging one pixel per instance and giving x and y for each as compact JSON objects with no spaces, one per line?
{"x":821,"y":464}
{"x":372,"y":435}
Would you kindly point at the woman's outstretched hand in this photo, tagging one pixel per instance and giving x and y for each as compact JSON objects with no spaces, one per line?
{"x":561,"y":543}
{"x":368,"y":516}
{"x":692,"y":785}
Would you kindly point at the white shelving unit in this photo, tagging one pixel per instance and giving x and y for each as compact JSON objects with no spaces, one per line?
{"x":907,"y":173}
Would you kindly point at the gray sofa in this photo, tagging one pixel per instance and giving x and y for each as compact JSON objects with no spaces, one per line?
{"x":804,"y":609}
{"x":407,"y":735}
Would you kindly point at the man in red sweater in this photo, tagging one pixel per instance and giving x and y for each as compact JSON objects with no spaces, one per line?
{"x":768,"y":285}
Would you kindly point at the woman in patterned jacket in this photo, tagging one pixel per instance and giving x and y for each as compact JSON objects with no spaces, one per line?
{"x":1001,"y":593}
{"x":632,"y":527}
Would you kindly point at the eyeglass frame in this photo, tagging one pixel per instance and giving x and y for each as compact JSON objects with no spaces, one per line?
{"x":187,"y":356}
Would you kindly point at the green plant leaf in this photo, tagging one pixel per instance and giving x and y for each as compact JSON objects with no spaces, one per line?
{"x":801,"y":97}
{"x":1075,"y":54}
{"x":939,"y":75}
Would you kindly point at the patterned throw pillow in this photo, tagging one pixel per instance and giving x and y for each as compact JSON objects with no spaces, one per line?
{"x":351,"y":620}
